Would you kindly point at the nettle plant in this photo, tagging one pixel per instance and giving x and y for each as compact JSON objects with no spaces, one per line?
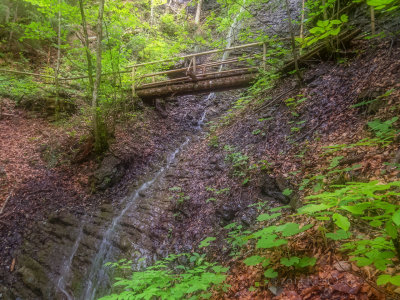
{"x":370,"y":212}
{"x":170,"y":279}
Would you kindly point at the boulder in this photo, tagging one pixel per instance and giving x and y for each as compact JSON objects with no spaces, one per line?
{"x":110,"y":172}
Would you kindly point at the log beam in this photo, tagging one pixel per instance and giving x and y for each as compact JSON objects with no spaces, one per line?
{"x":200,"y":86}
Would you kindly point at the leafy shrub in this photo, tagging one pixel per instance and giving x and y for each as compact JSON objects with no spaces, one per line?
{"x":369,"y":203}
{"x":167,"y":279}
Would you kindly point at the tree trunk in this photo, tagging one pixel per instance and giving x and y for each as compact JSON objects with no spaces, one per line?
{"x":373,"y":31}
{"x":324,"y":10}
{"x":86,"y":45}
{"x":302,"y":19}
{"x":11,"y":31}
{"x":57,"y":71}
{"x":198,"y":12}
{"x":100,"y":141}
{"x":151,"y":12}
{"x":294,"y":50}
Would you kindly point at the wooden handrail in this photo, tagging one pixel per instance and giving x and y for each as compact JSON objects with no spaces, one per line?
{"x":224,"y":62}
{"x":197,"y":54}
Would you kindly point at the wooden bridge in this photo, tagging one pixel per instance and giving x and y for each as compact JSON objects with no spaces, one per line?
{"x":204,"y":72}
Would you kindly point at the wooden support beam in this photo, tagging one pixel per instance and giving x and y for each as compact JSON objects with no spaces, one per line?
{"x":200,"y":86}
{"x":206,"y":76}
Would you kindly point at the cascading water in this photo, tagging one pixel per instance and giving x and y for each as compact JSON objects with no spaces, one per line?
{"x":98,"y":276}
{"x":97,"y":273}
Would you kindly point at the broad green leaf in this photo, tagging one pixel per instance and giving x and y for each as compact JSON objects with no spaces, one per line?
{"x":206,"y":242}
{"x":312,"y":208}
{"x":341,"y":221}
{"x":383,"y":279}
{"x":307,"y":261}
{"x":266,"y":217}
{"x":338,"y":235}
{"x":253,"y":260}
{"x":288,"y":262}
{"x":396,"y":218}
{"x":270,"y":273}
{"x":395,"y":280}
{"x":391,"y":230}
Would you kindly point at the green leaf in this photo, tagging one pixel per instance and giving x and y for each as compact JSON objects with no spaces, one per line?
{"x":391,"y":230}
{"x":206,"y":242}
{"x":265,"y":217}
{"x":338,"y":235}
{"x":270,"y":273}
{"x":383,"y":279}
{"x":270,"y":241}
{"x":396,"y":218}
{"x":395,"y":280}
{"x":287,"y":192}
{"x":288,"y":262}
{"x":253,"y":260}
{"x":307,"y":261}
{"x":341,"y":221}
{"x":312,"y":208}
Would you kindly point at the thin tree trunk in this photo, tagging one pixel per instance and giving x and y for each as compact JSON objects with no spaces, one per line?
{"x":373,"y":31}
{"x":198,"y":12}
{"x":302,"y":19}
{"x":86,"y":45}
{"x":168,"y":7}
{"x":57,"y":71}
{"x":98,"y":136}
{"x":294,"y":50}
{"x":151,"y":12}
{"x":325,"y":13}
{"x":11,"y":31}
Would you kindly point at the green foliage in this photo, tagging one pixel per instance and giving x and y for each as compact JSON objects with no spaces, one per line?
{"x":214,"y":141}
{"x":372,"y":203}
{"x":324,"y":29}
{"x":387,"y":5}
{"x":18,"y":88}
{"x":238,"y":160}
{"x":383,"y":130}
{"x":167,"y":279}
{"x":178,"y":195}
{"x":206,"y":242}
{"x":216,"y":192}
{"x":237,"y":237}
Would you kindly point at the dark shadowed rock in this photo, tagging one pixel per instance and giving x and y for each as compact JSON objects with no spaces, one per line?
{"x":111,"y":171}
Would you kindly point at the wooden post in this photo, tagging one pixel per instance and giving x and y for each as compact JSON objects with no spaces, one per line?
{"x":153,"y":79}
{"x":264,"y":56}
{"x":133,"y":81}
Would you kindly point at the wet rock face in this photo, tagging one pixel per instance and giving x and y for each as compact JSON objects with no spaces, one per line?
{"x":57,"y":255}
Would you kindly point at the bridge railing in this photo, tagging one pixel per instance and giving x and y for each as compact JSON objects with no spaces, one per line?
{"x":200,"y":71}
